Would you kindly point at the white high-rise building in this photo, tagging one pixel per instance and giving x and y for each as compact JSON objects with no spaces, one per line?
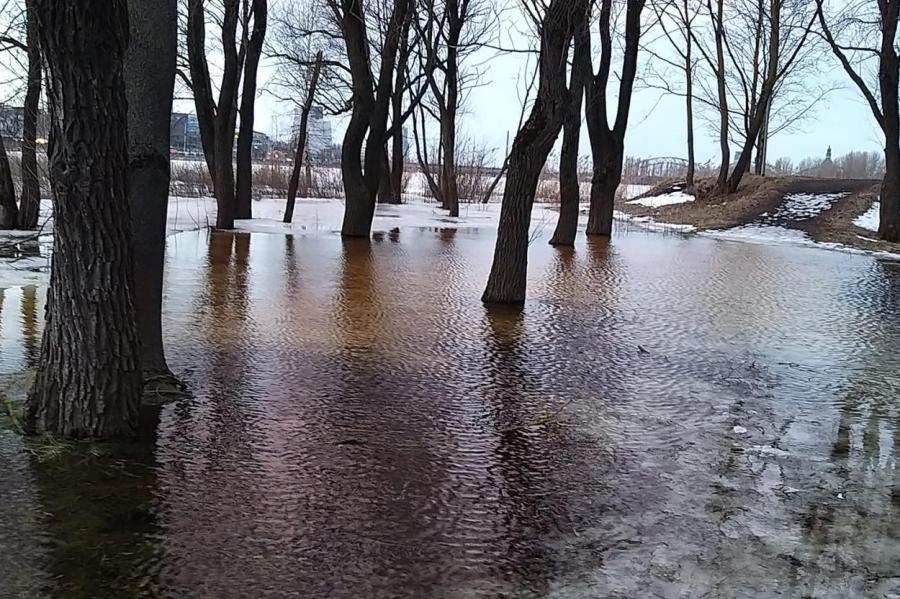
{"x":318,"y":132}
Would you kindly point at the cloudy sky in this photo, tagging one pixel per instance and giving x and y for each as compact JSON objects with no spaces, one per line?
{"x":657,"y":123}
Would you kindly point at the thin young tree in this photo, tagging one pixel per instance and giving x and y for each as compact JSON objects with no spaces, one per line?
{"x":556,"y":24}
{"x":676,"y":21}
{"x":865,"y":31}
{"x":149,"y":83}
{"x":300,"y":152}
{"x":608,"y":143}
{"x":9,"y":209}
{"x":88,"y":381}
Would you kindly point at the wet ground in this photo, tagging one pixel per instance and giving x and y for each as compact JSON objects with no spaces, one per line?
{"x":667,"y":417}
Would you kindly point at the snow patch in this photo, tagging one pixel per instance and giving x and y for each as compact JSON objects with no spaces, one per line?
{"x":666,"y":199}
{"x":804,"y":206}
{"x":647,"y":222}
{"x":869,"y":220}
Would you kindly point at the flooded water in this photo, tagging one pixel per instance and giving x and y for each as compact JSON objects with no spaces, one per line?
{"x":667,"y":417}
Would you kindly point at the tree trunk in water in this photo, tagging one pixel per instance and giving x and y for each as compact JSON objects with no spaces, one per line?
{"x":149,"y":84}
{"x":294,"y":183}
{"x":9,"y":210}
{"x":243,"y":205}
{"x":604,"y":185}
{"x":89,"y":371}
{"x":569,"y":187}
{"x":507,"y":281}
{"x":30,"y":202}
{"x":225,"y":118}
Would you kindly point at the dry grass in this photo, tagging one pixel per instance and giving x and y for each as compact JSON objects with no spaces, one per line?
{"x":756,"y":195}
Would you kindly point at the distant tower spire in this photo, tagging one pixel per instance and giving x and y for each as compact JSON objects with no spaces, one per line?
{"x":828,"y":155}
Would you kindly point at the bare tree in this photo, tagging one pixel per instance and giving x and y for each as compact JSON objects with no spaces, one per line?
{"x":569,"y":188}
{"x":88,"y":381}
{"x":257,"y":11}
{"x":18,"y":38}
{"x":301,"y":138}
{"x":608,"y":143}
{"x":371,"y":95}
{"x":149,"y":82}
{"x":556,"y":23}
{"x":676,"y":21}
{"x":866,"y":31}
{"x":216,"y":119}
{"x":30,"y":201}
{"x":786,"y":25}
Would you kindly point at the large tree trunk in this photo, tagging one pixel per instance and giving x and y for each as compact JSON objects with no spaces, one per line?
{"x":88,"y":382}
{"x":9,"y":210}
{"x":30,"y":202}
{"x":243,"y":195}
{"x":294,"y":183}
{"x":149,"y":84}
{"x":507,"y":281}
{"x":225,"y":119}
{"x":608,"y":154}
{"x":368,"y":120}
{"x":889,"y":81}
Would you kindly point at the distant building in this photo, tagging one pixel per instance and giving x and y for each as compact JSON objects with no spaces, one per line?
{"x":262,"y":145}
{"x":828,"y":168}
{"x":318,"y":134}
{"x":12,"y":122}
{"x":184,"y":130}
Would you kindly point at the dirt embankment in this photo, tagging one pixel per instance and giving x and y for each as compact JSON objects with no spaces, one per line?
{"x":758,"y":196}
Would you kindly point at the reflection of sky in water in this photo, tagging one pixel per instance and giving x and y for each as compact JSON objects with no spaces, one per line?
{"x":667,"y":416}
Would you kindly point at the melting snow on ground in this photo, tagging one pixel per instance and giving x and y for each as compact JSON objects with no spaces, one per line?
{"x":802,"y":207}
{"x":647,"y":222}
{"x":869,"y":220}
{"x":666,"y":199}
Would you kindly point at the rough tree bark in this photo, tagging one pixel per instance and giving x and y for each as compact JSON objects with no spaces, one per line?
{"x":608,"y":144}
{"x":88,"y":382}
{"x":368,"y":119}
{"x":149,"y":85}
{"x":507,"y":281}
{"x":294,"y":182}
{"x":243,"y":194}
{"x":9,"y":210}
{"x":30,"y":202}
{"x":569,"y":188}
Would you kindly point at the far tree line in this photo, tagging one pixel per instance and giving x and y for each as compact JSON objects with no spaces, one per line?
{"x":110,"y":69}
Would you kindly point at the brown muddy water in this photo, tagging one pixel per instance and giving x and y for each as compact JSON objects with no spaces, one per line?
{"x":667,"y":417}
